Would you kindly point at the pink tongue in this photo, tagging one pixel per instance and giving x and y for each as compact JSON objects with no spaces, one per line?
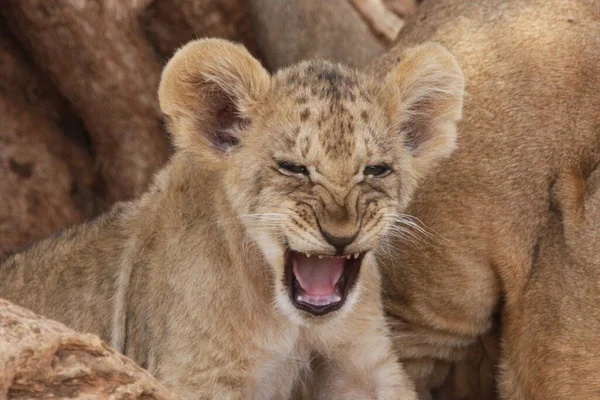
{"x":317,"y":276}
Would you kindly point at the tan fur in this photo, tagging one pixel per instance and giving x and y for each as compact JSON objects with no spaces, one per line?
{"x":188,"y":279}
{"x":557,"y":321}
{"x":291,"y":31}
{"x":531,"y":112}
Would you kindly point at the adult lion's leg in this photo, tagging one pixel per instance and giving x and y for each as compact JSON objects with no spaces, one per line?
{"x":550,"y":335}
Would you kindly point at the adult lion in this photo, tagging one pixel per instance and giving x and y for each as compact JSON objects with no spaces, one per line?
{"x":531,"y":113}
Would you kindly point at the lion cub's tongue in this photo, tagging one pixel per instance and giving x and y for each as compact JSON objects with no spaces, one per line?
{"x":317,"y":277}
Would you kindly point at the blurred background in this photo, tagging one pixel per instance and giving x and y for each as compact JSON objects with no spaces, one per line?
{"x":80,"y":126}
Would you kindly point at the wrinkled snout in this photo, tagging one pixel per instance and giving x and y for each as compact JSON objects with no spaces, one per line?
{"x":339,"y":220}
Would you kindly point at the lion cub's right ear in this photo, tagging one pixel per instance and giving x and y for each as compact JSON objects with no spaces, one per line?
{"x":209,"y":91}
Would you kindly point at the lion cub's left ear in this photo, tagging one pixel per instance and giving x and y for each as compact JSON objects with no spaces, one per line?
{"x":209,"y":91}
{"x":424,"y":98}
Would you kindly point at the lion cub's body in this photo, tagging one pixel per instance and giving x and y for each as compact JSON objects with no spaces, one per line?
{"x":192,"y":280}
{"x":174,"y":311}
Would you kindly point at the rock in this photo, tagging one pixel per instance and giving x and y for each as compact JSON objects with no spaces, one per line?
{"x":41,"y":358}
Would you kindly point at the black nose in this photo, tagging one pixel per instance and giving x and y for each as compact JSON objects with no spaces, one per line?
{"x":339,"y":242}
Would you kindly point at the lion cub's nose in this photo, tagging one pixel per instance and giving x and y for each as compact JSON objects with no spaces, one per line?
{"x":339,"y":242}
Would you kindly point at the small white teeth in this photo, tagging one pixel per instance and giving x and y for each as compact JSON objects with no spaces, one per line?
{"x":319,"y":300}
{"x":322,"y":256}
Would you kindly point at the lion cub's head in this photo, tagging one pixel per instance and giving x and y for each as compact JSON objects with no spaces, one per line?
{"x":317,"y":160}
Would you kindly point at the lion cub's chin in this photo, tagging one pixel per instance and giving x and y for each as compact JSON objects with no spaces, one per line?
{"x":318,"y":287}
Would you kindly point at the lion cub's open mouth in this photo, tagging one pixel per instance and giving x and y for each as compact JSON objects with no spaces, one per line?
{"x":319,"y":284}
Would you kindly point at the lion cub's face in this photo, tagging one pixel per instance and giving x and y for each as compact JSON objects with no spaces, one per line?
{"x":319,"y":181}
{"x":317,"y":160}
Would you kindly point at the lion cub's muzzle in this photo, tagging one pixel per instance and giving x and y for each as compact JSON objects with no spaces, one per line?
{"x":319,"y":284}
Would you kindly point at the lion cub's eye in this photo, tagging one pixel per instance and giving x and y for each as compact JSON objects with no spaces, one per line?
{"x":379,"y":170}
{"x":290,"y":168}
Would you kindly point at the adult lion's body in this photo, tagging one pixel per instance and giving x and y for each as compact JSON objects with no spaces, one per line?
{"x":531,"y":111}
{"x":551,"y":336}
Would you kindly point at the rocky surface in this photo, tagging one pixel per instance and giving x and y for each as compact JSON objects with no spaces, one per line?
{"x":43,"y":359}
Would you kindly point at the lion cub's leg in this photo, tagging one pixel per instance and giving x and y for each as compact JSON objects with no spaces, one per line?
{"x":363,"y":369}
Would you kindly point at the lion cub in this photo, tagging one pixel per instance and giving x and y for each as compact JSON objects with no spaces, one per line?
{"x":255,"y":246}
